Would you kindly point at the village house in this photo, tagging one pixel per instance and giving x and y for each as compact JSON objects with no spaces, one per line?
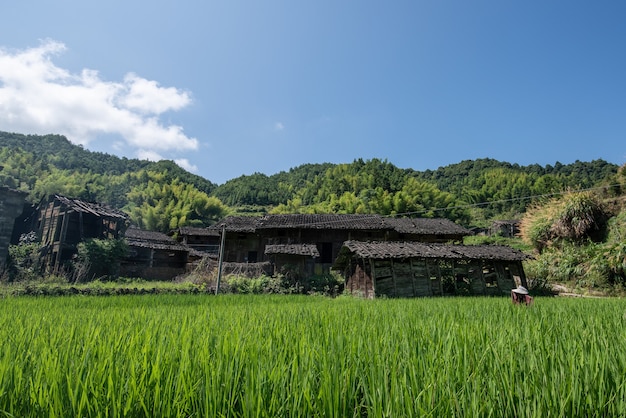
{"x":410,"y":269}
{"x":310,"y":243}
{"x":153,"y":255}
{"x":504,"y":228}
{"x":377,"y":255}
{"x":62,"y":223}
{"x":203,"y":240}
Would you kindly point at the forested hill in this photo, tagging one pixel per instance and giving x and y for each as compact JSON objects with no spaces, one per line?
{"x":58,"y":152}
{"x":162,"y":195}
{"x":468,"y":192}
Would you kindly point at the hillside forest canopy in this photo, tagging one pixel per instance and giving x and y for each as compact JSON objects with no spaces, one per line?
{"x":162,"y":196}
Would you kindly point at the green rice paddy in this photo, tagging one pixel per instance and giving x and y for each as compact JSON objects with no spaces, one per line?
{"x":291,"y":356}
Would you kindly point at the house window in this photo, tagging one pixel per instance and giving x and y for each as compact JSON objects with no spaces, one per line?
{"x":326,"y":252}
{"x":490,"y":275}
{"x":252,"y":256}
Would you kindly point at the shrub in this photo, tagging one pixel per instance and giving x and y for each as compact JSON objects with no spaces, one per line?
{"x":99,"y":258}
{"x":262,"y":284}
{"x":23,"y":259}
{"x":576,"y":217}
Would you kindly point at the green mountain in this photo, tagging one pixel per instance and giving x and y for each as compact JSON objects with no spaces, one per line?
{"x":161,"y":195}
{"x":157,"y":195}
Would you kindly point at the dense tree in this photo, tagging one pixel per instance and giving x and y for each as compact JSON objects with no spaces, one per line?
{"x":162,"y":195}
{"x":260,"y":189}
{"x":159,"y":205}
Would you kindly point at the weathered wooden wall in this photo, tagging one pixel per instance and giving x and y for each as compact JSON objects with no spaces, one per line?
{"x":296,"y":265}
{"x":11,"y":206}
{"x":360,"y":282}
{"x":430,"y":277}
{"x":151,"y":264}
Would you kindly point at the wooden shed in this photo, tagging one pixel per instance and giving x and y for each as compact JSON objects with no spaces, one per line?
{"x":410,"y":269}
{"x":203,"y":240}
{"x":153,"y":255}
{"x":503,"y":228}
{"x":297,"y":260}
{"x":64,"y":222}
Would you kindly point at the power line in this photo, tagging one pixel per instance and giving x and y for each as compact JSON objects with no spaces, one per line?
{"x":513,"y":199}
{"x":469,"y":205}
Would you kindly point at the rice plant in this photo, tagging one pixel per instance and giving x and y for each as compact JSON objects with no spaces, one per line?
{"x":268,"y":356}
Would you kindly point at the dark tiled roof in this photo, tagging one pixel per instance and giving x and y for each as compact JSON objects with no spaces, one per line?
{"x":236,"y":224}
{"x":491,"y":252}
{"x":426,"y":226}
{"x":151,"y":239}
{"x":418,"y":226}
{"x":97,"y":209}
{"x":293,"y":249}
{"x":388,"y":249}
{"x":203,"y":232}
{"x":322,"y":221}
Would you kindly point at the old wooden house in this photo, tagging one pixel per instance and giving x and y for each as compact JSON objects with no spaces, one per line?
{"x":63,"y":222}
{"x":310,"y":243}
{"x":11,"y":206}
{"x":410,"y":269}
{"x":504,"y":228}
{"x":202,"y":240}
{"x":293,"y":259}
{"x":153,"y":255}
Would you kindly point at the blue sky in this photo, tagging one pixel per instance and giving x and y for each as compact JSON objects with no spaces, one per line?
{"x":227,"y":88}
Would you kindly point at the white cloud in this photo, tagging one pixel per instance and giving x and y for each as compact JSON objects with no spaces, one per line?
{"x":278,"y":126}
{"x":184,"y":163}
{"x":38,"y":97}
{"x":149,"y":155}
{"x":147,"y":96}
{"x":143,"y":154}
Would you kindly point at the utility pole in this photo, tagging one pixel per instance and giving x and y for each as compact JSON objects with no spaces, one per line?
{"x":219,"y":266}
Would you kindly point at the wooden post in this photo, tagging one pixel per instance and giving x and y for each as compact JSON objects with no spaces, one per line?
{"x":219,"y":266}
{"x":372,"y":275}
{"x":61,"y":242}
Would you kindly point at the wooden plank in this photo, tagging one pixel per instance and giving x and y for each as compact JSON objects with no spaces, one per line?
{"x":422,"y":285}
{"x":382,"y":263}
{"x":476,"y":279}
{"x":505,"y":279}
{"x":435,"y":278}
{"x":384,"y":287}
{"x":383,"y":271}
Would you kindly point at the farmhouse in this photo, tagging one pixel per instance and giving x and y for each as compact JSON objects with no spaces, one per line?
{"x":62,"y":223}
{"x":409,"y":269}
{"x":153,"y":255}
{"x":202,"y":240}
{"x":310,"y":243}
{"x":505,"y":228}
{"x":11,"y":206}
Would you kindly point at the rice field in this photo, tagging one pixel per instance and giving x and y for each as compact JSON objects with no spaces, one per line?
{"x":291,"y":356}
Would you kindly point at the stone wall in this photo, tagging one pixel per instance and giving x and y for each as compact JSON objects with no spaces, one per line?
{"x":11,"y":206}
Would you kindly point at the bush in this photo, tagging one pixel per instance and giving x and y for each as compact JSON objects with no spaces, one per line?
{"x":327,"y":284}
{"x":99,"y":258}
{"x":23,"y":259}
{"x":576,"y":218}
{"x":262,"y":284}
{"x":592,"y":265}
